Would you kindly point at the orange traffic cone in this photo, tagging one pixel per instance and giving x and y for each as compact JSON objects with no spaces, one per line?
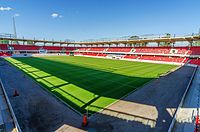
{"x":15,"y":93}
{"x":85,"y":122}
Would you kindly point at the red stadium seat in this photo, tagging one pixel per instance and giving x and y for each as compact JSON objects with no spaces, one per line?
{"x":195,"y":50}
{"x":3,"y":47}
{"x":158,"y":50}
{"x":25,"y":47}
{"x":130,"y":57}
{"x":163,"y":58}
{"x":195,"y":61}
{"x":151,"y":53}
{"x":90,"y":54}
{"x":96,"y":49}
{"x":5,"y":54}
{"x":103,"y":55}
{"x":119,"y":49}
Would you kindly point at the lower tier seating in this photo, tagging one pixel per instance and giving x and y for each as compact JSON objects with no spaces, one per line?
{"x":5,"y":54}
{"x":146,"y":57}
{"x":90,"y":54}
{"x":103,"y":55}
{"x":195,"y":61}
{"x":130,"y":57}
{"x":157,"y":58}
{"x":162,"y":58}
{"x":3,"y":47}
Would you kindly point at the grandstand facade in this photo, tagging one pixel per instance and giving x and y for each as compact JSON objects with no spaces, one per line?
{"x":132,"y":48}
{"x":171,"y":55}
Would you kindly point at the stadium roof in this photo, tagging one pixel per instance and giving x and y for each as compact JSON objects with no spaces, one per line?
{"x":128,"y":41}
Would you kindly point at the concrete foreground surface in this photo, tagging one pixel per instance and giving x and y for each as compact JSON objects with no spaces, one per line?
{"x":151,"y":108}
{"x":186,"y":115}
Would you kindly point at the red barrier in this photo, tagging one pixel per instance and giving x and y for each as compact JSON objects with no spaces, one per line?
{"x":197,"y":124}
{"x":85,"y":122}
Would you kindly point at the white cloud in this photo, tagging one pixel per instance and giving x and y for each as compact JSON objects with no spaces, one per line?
{"x":16,"y":14}
{"x":56,"y":15}
{"x":5,"y":8}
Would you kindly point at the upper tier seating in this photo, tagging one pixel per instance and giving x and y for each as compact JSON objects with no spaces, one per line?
{"x":83,"y":49}
{"x":34,"y":47}
{"x":96,"y":49}
{"x":91,"y":49}
{"x":163,"y":50}
{"x":158,"y":50}
{"x":52,"y":47}
{"x":3,"y":47}
{"x":119,"y":49}
{"x":70,"y":48}
{"x":25,"y":47}
{"x":139,"y":50}
{"x":182,"y":50}
{"x":195,"y":50}
{"x":57,"y":48}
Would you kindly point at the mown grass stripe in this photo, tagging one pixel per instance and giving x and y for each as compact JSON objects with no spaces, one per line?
{"x":84,"y":82}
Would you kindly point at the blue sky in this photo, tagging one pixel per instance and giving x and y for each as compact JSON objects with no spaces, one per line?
{"x":92,"y":19}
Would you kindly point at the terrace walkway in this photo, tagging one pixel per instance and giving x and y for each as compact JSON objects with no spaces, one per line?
{"x":6,"y":120}
{"x":186,"y":116}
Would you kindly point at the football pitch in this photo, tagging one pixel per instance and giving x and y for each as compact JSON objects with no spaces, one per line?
{"x":89,"y":84}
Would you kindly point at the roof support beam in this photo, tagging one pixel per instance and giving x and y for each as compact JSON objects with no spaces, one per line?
{"x":189,"y":39}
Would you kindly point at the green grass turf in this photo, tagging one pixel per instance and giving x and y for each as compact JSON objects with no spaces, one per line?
{"x":89,"y":83}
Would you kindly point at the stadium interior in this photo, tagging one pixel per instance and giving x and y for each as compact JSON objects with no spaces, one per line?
{"x":176,"y":55}
{"x":99,"y":66}
{"x":122,"y":71}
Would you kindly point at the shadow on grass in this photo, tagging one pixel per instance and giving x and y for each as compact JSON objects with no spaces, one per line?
{"x":98,"y":83}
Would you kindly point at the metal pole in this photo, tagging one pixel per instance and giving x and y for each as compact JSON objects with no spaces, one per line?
{"x":199,"y":31}
{"x":14,"y":27}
